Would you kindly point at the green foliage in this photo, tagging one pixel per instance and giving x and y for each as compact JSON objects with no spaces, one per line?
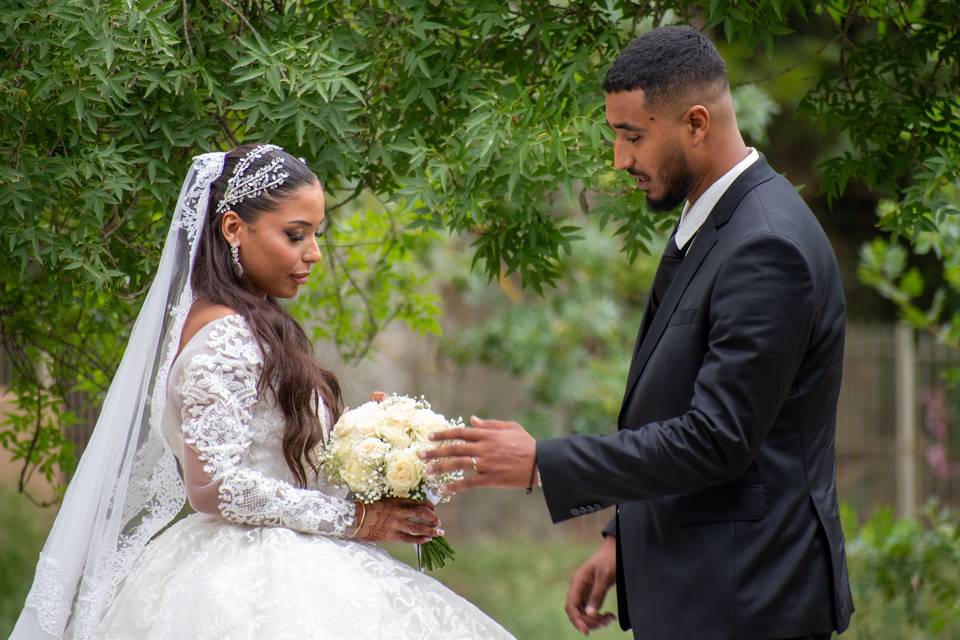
{"x":895,"y":97}
{"x":465,"y":116}
{"x":47,"y":449}
{"x":481,"y":119}
{"x":456,"y":115}
{"x":372,"y":278}
{"x":572,"y":348}
{"x":755,"y":109}
{"x":885,"y":262}
{"x":912,"y":566}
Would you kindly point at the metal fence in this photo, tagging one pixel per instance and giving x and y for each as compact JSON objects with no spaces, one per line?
{"x":894,"y":440}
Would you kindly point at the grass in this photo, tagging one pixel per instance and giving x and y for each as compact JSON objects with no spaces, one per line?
{"x":520,"y":583}
{"x":23,"y":529}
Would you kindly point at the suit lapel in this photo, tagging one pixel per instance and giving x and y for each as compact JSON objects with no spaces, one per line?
{"x":644,"y":327}
{"x":648,"y":307}
{"x":651,"y":331}
{"x":705,"y":240}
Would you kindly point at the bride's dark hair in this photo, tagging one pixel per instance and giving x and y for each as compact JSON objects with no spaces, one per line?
{"x":290,"y":371}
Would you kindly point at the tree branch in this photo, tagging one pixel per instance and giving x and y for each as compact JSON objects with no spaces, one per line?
{"x":226,"y":129}
{"x":242,"y":17}
{"x":327,"y":243}
{"x":371,"y":316}
{"x":186,"y":30}
{"x":33,"y":442}
{"x":791,"y":67}
{"x":117,"y":219}
{"x":27,"y":471}
{"x":353,"y":245}
{"x":353,"y":196}
{"x":16,"y":153}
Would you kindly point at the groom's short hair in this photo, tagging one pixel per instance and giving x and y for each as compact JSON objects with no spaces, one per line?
{"x":669,"y":64}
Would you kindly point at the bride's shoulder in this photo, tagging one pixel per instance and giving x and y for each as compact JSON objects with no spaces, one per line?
{"x":200,"y":316}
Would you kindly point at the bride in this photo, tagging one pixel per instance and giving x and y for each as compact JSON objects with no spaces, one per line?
{"x":220,"y":377}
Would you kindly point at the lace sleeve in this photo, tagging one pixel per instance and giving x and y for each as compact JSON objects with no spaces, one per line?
{"x":219,"y":391}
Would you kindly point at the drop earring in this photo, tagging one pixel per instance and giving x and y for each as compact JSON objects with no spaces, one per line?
{"x":235,"y":252}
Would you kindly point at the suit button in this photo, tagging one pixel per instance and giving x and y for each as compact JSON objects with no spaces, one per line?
{"x":575,"y":511}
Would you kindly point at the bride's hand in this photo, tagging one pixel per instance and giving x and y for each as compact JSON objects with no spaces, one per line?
{"x":378,"y":396}
{"x":395,"y":520}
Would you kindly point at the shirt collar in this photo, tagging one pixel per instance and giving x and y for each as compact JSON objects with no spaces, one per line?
{"x":692,"y":218}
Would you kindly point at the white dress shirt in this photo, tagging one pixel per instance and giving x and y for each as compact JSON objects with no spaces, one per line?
{"x":692,"y":218}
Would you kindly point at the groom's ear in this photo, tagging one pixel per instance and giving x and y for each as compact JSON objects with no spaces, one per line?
{"x":697,"y":123}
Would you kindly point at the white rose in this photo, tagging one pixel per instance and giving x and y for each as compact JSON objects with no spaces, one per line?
{"x":367,"y":418}
{"x":396,"y":435}
{"x":371,"y":451}
{"x":429,"y":422}
{"x":345,"y":425}
{"x":404,"y":471}
{"x":356,"y":475}
{"x":405,"y":417}
{"x":342,"y":448}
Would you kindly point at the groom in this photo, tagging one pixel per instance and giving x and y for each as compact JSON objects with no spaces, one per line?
{"x":723,"y":469}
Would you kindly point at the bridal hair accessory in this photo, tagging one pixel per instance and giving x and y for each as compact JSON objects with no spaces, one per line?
{"x":241,"y":186}
{"x":235,"y":253}
{"x":126,"y":488}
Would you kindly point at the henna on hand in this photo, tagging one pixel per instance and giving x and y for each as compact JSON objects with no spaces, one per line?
{"x":399,"y":520}
{"x":376,"y":526}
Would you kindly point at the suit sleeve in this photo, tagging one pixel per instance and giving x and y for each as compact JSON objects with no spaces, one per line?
{"x":762,"y":309}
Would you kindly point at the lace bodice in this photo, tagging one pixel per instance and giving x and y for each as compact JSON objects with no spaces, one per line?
{"x":228,"y":437}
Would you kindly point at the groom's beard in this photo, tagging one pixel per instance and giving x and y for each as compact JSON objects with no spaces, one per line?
{"x":679,"y":181}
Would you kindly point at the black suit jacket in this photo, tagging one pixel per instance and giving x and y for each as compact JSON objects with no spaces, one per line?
{"x":723,"y":469}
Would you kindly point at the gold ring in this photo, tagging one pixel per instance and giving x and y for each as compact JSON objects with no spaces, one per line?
{"x":473,"y":459}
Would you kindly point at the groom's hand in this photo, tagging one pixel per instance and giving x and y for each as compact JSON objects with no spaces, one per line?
{"x":501,"y":454}
{"x":589,"y":587}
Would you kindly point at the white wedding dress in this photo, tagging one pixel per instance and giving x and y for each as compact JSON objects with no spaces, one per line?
{"x":270,"y":559}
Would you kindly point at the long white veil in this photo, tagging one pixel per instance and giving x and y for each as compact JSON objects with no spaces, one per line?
{"x":126,"y":487}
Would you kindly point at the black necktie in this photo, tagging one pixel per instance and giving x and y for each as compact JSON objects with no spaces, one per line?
{"x":669,"y":264}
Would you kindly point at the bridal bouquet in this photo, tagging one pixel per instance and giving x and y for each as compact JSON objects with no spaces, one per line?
{"x":373,"y":451}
